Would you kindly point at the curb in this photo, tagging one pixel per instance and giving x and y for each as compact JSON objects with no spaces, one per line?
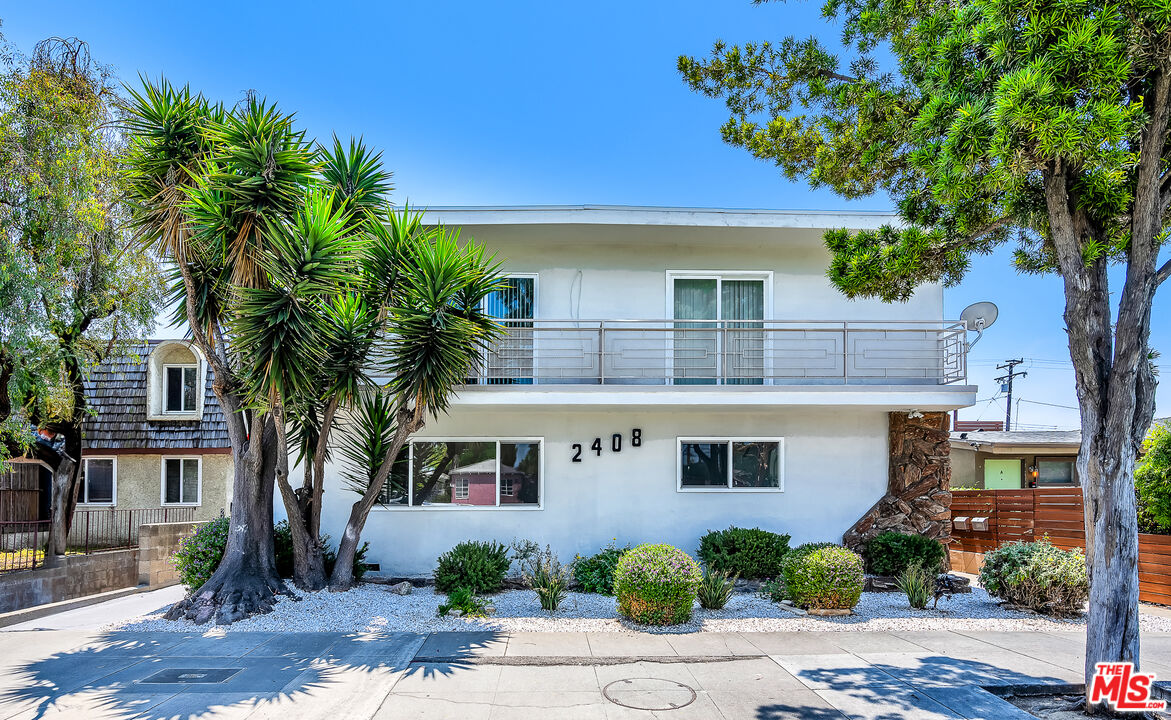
{"x":37,"y":612}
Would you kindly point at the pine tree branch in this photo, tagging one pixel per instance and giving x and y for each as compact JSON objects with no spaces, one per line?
{"x":1163,"y":273}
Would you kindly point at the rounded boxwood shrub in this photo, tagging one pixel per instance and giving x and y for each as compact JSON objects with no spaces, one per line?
{"x":890,"y":553}
{"x":477,"y":566}
{"x":656,"y":585}
{"x":823,"y":576}
{"x":1038,"y":576}
{"x":750,"y":553}
{"x":199,"y":555}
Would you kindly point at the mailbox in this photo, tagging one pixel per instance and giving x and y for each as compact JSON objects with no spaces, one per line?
{"x":980,"y":524}
{"x":960,"y":522}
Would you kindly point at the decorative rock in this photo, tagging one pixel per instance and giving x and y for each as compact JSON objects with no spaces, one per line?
{"x":455,"y":613}
{"x":791,"y":608}
{"x":489,"y":610}
{"x":918,"y":495}
{"x":829,"y":612}
{"x":788,"y":602}
{"x":402,"y":588}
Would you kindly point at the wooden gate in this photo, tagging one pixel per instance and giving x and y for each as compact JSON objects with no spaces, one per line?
{"x":20,"y":492}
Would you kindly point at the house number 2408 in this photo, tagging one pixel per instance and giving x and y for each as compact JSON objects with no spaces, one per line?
{"x":615,"y":444}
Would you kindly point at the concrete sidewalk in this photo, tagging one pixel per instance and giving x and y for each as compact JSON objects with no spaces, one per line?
{"x":757,"y":676}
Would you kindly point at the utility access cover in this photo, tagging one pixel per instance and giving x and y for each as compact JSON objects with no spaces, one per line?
{"x":191,"y":676}
{"x":649,"y":694}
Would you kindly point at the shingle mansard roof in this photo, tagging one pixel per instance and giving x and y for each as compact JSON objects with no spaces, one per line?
{"x":116,"y":392}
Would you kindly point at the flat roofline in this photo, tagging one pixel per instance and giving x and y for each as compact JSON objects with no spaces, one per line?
{"x":652,"y":215}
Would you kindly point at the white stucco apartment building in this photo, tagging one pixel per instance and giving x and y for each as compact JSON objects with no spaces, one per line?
{"x":667,"y":371}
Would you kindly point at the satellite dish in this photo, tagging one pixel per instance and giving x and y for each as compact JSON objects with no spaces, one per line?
{"x":979,"y":316}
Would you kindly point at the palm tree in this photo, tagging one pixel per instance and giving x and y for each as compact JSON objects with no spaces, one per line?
{"x":435,"y":333}
{"x":211,"y":190}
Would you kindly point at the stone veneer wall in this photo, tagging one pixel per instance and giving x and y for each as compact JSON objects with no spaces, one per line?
{"x":80,"y":575}
{"x":918,"y":495}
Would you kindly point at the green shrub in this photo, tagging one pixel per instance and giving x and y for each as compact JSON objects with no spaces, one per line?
{"x":749,"y":552}
{"x":1152,"y":480}
{"x":198,"y":555}
{"x":595,"y":574}
{"x":715,"y":589}
{"x":917,"y":584}
{"x":545,"y":574}
{"x":823,"y":576}
{"x":282,"y":546}
{"x":891,"y":553}
{"x":656,"y":585}
{"x":1038,"y":576}
{"x":774,"y":590}
{"x":477,"y":566}
{"x":466,"y":601}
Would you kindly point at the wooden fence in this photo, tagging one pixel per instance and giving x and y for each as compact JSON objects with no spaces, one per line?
{"x":1027,"y":515}
{"x":20,"y":493}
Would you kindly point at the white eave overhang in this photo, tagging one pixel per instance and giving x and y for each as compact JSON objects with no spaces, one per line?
{"x":666,"y":216}
{"x":889,"y":397}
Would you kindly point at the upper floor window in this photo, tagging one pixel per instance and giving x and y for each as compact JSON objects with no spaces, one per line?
{"x":719,"y":464}
{"x":175,"y":373}
{"x":98,"y":481}
{"x":719,"y":332}
{"x":182,"y":384}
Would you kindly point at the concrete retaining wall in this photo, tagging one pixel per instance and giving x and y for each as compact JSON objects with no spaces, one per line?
{"x":79,"y":575}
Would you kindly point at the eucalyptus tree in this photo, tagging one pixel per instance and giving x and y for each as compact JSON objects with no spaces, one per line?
{"x":1043,"y":123}
{"x":74,"y":287}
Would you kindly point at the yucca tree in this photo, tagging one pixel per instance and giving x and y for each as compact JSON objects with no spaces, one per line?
{"x":432,"y":293}
{"x":212,"y":190}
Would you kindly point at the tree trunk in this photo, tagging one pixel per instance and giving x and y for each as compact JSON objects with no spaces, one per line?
{"x":58,"y":501}
{"x":245,"y":582}
{"x":343,"y":570}
{"x":308,"y":555}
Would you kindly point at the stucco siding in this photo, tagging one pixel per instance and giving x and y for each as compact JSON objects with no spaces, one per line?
{"x":139,"y":482}
{"x":834,"y":469}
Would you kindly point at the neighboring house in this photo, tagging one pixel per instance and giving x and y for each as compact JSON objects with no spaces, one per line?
{"x":999,"y":460}
{"x":666,"y":372}
{"x":157,"y":437}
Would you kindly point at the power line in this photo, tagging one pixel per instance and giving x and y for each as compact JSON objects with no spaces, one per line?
{"x":1038,"y":402}
{"x":1010,"y":366}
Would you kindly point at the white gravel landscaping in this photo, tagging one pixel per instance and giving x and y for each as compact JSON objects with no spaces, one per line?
{"x":372,"y":608}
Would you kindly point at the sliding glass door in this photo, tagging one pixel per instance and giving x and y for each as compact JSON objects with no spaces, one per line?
{"x":718,"y":333}
{"x":510,"y":361}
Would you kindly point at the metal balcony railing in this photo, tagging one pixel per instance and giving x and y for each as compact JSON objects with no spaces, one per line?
{"x":725,"y":352}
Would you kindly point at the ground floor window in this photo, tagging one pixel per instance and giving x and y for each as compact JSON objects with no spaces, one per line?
{"x":181,"y":480}
{"x":99,"y":481}
{"x":719,"y":464}
{"x":469,"y":472}
{"x":1055,"y":471}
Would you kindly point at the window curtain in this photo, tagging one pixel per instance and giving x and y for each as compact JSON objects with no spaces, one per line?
{"x":696,"y":349}
{"x":744,"y":351}
{"x":510,"y":362}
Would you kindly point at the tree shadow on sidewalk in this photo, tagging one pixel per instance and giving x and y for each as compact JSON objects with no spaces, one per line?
{"x":157,"y":675}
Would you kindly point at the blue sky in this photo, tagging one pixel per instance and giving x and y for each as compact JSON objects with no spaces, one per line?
{"x":538,"y":103}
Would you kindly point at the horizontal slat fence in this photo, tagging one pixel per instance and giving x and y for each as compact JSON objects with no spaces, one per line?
{"x":1027,"y":515}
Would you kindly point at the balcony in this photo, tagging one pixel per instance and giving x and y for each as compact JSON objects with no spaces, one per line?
{"x":735,"y":354}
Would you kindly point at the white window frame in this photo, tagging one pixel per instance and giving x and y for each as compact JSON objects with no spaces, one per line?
{"x":460,"y":488}
{"x":85,"y":485}
{"x":166,"y":387}
{"x":457,"y":507}
{"x":679,"y":487}
{"x":511,"y":487}
{"x":163,"y":481}
{"x":766,"y":276}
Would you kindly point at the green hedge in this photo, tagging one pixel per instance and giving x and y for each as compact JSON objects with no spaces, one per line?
{"x":750,"y":553}
{"x":890,"y":553}
{"x":477,"y":566}
{"x":1038,"y":576}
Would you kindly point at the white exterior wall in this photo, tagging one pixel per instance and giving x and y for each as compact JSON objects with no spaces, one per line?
{"x":835,"y":468}
{"x":835,"y":458}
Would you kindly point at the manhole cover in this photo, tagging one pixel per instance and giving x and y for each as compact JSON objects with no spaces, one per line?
{"x":191,"y":675}
{"x":649,"y":694}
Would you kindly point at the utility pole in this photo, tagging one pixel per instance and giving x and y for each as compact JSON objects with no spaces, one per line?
{"x":1010,"y":366}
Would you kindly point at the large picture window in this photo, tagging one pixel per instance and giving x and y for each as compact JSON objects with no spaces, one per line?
{"x":99,"y":481}
{"x":474,"y":472}
{"x":730,"y":464}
